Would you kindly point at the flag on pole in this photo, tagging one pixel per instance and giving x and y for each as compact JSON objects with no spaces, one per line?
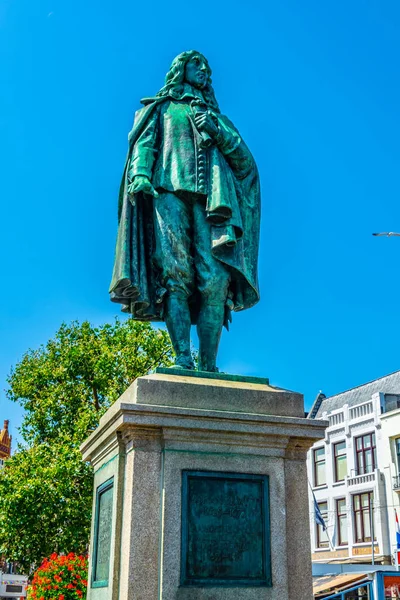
{"x":397,"y":530}
{"x":318,"y":516}
{"x":319,"y":519}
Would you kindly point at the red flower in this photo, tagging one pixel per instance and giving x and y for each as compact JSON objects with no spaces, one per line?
{"x":59,"y":572}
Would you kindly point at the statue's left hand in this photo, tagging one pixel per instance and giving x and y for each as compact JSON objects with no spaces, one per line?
{"x":205,"y":122}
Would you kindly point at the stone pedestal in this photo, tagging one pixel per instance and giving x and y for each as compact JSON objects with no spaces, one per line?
{"x":200,"y":492}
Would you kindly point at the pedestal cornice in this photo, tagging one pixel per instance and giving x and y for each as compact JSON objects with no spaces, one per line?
{"x":178,"y":426}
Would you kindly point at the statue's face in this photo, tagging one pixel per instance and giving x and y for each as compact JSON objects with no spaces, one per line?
{"x":196,"y":72}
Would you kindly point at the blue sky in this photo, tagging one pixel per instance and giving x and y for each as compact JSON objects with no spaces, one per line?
{"x":314,"y":89}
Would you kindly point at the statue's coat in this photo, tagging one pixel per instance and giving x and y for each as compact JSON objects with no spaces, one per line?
{"x":235,"y":235}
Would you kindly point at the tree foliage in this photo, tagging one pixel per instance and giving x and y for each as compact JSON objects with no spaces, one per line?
{"x":70,"y":382}
{"x":65,"y":386}
{"x":45,"y":503}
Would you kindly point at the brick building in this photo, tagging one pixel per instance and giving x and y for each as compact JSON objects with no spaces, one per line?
{"x":5,"y":444}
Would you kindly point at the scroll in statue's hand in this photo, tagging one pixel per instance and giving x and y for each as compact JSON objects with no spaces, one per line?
{"x":205,"y":122}
{"x":142,"y":184}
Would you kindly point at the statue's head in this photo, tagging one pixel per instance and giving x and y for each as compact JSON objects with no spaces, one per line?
{"x":193,"y":68}
{"x":197,"y":71}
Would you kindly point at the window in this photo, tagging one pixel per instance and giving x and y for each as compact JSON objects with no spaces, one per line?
{"x":341,"y":521}
{"x":362,"y":517}
{"x":365,"y":453}
{"x":391,"y":585}
{"x":391,"y":402}
{"x":398,"y":454}
{"x":322,"y":538}
{"x":339,"y":453}
{"x":319,"y":466}
{"x":360,"y":593}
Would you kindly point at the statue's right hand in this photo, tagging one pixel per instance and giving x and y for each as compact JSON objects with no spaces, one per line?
{"x":142,"y":184}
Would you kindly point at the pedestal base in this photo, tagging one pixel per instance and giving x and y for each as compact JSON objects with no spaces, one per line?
{"x":208,"y":495}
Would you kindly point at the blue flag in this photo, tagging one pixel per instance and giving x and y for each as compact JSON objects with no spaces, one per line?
{"x":318,"y":516}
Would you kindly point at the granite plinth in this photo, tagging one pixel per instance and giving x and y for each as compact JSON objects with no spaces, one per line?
{"x":184,"y":390}
{"x":168,"y":425}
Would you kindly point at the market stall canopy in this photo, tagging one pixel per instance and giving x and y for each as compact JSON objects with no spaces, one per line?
{"x":330,"y":584}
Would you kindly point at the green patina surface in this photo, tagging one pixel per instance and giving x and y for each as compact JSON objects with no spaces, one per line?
{"x":102,"y":534}
{"x":208,"y":375}
{"x":189,"y":215}
{"x":225,"y":530}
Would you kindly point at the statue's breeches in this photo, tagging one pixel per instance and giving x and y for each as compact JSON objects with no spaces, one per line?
{"x":183,"y":249}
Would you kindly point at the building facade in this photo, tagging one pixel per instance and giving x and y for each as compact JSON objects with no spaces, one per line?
{"x":354,"y":474}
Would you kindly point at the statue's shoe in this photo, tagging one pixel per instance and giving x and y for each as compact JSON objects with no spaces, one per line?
{"x":183,"y":362}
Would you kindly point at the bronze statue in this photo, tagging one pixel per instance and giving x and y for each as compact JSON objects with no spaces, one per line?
{"x":189,"y":215}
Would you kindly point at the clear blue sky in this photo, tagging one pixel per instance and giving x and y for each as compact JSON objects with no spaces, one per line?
{"x":314,"y":89}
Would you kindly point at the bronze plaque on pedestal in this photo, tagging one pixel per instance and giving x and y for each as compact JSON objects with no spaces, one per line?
{"x":225,"y":530}
{"x":102,"y":534}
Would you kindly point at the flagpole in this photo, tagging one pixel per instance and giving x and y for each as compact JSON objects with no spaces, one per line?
{"x":371,"y":519}
{"x":329,"y":540}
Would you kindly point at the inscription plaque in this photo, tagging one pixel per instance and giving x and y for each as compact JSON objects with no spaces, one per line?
{"x":225,"y":529}
{"x":102,"y":535}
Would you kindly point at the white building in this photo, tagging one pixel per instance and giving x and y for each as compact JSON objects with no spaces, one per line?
{"x":355,"y":473}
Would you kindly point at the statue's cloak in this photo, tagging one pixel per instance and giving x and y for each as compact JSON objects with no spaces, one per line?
{"x":235,"y":234}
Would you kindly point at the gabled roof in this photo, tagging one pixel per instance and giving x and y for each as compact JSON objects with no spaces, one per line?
{"x":317,"y":403}
{"x":389,"y":384}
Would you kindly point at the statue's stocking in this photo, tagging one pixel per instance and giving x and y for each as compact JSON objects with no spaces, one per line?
{"x":209,"y":327}
{"x":177,"y":319}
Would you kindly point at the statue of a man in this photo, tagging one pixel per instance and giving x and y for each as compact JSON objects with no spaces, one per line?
{"x":189,"y":215}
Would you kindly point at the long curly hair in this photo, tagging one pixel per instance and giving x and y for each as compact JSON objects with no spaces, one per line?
{"x":175,"y":79}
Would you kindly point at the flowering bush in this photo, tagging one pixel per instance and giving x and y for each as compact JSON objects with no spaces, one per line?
{"x":60,"y":578}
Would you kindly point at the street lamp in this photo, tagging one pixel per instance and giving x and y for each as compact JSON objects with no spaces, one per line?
{"x":387,"y":233}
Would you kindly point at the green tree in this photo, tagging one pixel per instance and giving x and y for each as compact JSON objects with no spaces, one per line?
{"x":45,"y":503}
{"x":65,"y":386}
